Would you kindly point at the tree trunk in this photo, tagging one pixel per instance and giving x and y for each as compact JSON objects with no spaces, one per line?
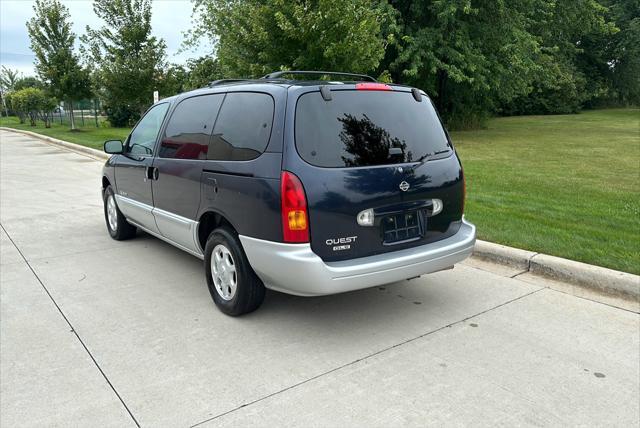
{"x":73,"y":121}
{"x":4,"y":103}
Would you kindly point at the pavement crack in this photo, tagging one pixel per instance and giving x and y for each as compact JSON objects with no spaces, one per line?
{"x":381,"y":351}
{"x":72,"y":328}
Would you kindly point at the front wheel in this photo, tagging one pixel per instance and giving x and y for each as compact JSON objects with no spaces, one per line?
{"x":118,"y":227}
{"x":234,"y":286}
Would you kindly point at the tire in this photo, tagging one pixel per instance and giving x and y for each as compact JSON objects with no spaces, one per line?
{"x":232,"y":268}
{"x":117,"y":225}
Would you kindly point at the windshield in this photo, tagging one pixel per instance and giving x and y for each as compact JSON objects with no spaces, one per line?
{"x":366,"y":128}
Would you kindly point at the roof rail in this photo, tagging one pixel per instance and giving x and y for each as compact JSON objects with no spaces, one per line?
{"x":279,"y":74}
{"x":224,"y":82}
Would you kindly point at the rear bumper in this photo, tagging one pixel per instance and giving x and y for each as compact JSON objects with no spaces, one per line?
{"x":295,"y":269}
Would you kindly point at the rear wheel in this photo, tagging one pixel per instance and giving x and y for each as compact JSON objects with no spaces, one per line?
{"x":118,"y":227}
{"x":234,"y":286}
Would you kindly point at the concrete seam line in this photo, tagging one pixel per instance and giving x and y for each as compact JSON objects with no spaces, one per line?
{"x":75,"y":332}
{"x":381,"y":351}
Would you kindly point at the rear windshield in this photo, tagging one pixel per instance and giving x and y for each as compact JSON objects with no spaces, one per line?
{"x":365,"y":128}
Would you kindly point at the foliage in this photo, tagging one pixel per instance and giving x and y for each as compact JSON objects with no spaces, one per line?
{"x":128,"y":61}
{"x":32,"y":103}
{"x":52,"y":43}
{"x":624,"y":51}
{"x":255,"y":37}
{"x":173,"y":80}
{"x":121,"y":115}
{"x":202,"y":71}
{"x":565,"y":81}
{"x":8,"y":78}
{"x":28,"y":82}
{"x":474,"y":57}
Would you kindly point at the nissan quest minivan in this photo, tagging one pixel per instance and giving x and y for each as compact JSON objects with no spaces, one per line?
{"x":308,"y":187}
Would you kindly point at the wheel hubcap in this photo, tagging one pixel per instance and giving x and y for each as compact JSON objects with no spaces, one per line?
{"x":112,"y":214}
{"x":223,"y":271}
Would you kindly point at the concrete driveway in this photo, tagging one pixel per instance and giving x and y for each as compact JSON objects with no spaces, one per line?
{"x":96,"y":332}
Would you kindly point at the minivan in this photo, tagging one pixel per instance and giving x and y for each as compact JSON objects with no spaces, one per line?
{"x":308,"y":183}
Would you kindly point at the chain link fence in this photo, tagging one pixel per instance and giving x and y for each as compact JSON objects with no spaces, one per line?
{"x":85,"y":113}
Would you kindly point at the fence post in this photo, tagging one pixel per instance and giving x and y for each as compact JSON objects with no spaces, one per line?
{"x":95,"y":111}
{"x":82,"y":116}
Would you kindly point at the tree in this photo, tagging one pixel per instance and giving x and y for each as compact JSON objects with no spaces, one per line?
{"x":8,"y":78}
{"x":468,"y":55}
{"x":202,"y":71}
{"x":572,"y":68}
{"x":52,"y":42}
{"x":255,"y":37}
{"x":624,"y":50}
{"x":172,"y":80}
{"x":28,"y":82}
{"x":128,"y":60}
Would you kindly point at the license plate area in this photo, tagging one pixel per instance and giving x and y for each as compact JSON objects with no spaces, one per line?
{"x":402,"y":227}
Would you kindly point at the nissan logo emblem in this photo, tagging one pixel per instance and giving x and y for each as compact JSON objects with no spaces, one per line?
{"x":404,"y":186}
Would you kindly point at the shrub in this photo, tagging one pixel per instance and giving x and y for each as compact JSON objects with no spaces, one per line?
{"x":121,"y":115}
{"x":32,"y":103}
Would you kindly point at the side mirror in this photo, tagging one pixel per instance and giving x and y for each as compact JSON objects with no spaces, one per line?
{"x":113,"y":147}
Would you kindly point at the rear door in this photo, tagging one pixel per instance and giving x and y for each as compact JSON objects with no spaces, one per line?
{"x":181,"y":157}
{"x":378,"y":153}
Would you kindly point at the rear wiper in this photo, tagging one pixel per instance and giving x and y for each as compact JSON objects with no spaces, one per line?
{"x":422,"y":159}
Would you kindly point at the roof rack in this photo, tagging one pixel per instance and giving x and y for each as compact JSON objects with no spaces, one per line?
{"x":224,"y":82}
{"x":279,"y":74}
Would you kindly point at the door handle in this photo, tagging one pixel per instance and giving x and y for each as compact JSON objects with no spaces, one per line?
{"x":152,"y":173}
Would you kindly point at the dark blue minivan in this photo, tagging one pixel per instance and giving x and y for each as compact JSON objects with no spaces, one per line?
{"x":308,"y":187}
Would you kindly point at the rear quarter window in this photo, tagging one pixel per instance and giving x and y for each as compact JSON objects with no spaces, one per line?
{"x":367,"y":128}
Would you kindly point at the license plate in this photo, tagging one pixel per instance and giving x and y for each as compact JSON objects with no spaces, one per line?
{"x":401,"y":227}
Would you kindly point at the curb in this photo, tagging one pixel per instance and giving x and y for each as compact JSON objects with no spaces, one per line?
{"x":608,"y":281}
{"x":64,"y":144}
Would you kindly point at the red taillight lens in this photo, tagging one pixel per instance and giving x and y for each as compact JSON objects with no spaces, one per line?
{"x":295,"y":221}
{"x":372,"y":86}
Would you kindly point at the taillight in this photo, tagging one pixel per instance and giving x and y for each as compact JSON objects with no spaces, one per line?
{"x":372,"y":86}
{"x":295,"y":221}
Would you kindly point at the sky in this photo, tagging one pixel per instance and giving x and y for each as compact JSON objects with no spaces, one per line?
{"x":170,"y":19}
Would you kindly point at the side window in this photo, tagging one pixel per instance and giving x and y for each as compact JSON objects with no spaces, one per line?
{"x":143,"y":137}
{"x":243,"y":127}
{"x":189,"y":129}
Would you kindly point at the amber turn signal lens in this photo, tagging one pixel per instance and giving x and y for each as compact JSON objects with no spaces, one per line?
{"x":297,"y":220}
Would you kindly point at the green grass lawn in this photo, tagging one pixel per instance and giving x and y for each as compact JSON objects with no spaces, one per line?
{"x":88,"y":135}
{"x":563,"y":185}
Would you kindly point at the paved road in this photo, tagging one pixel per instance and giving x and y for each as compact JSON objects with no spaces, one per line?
{"x":102,"y":333}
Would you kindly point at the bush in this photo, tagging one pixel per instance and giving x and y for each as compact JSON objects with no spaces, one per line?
{"x":32,"y":103}
{"x":121,"y":116}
